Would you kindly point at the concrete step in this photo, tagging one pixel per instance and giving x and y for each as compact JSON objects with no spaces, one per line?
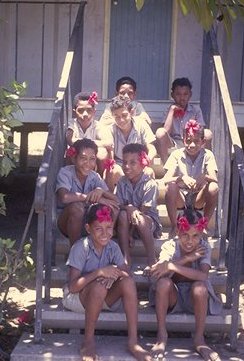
{"x":55,"y":316}
{"x":66,"y":347}
{"x":218,"y":279}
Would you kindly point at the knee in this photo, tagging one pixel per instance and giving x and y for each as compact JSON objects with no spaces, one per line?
{"x":161,"y":133}
{"x":122,"y":218}
{"x":208,"y":135}
{"x":164,"y":285}
{"x":199,"y":290}
{"x":213,"y":188}
{"x":127,"y":285}
{"x":97,"y":291}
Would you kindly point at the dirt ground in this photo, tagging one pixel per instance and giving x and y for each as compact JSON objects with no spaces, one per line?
{"x":18,"y":315}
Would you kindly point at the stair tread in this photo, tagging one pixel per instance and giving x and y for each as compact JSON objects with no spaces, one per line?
{"x":56,"y":316}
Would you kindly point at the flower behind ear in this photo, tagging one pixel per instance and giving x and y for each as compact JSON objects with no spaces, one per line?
{"x":71,"y":152}
{"x":144,"y":159}
{"x":183,"y":224}
{"x":93,"y":99}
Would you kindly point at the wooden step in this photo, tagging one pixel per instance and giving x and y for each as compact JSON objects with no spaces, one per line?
{"x":63,"y":247}
{"x":55,"y":316}
{"x":218,"y":279}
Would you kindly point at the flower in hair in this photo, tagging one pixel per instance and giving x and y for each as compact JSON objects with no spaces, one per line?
{"x":93,"y":99}
{"x":104,"y":215}
{"x":144,"y":159}
{"x":71,"y":152}
{"x":109,"y":164}
{"x":179,"y":113}
{"x":183,"y":224}
{"x":192,"y":126}
{"x":202,"y":224}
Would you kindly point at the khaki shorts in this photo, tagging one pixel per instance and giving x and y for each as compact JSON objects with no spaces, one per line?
{"x":72,"y":302}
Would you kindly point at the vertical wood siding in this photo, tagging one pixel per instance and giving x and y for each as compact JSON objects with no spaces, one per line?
{"x":34,"y":40}
{"x":140,"y":46}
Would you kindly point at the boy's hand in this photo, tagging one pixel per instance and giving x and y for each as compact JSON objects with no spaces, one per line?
{"x":110,"y":203}
{"x":110,"y":272}
{"x":189,"y":181}
{"x":136,"y":217}
{"x":159,"y":269}
{"x":94,"y":196}
{"x":200,"y":182}
{"x":196,"y":254}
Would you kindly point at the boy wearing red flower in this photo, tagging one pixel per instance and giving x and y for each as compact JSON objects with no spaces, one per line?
{"x":126,"y":129}
{"x":191,"y":176}
{"x":84,"y":125}
{"x":178,"y":114}
{"x":182,"y":284}
{"x":99,"y":280}
{"x":78,"y":185}
{"x":137,"y":193}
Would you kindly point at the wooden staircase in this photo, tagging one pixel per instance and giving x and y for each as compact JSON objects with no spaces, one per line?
{"x":55,"y":316}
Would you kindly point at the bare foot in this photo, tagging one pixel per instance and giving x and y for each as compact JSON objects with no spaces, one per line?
{"x":158,"y":349}
{"x":207,"y":353}
{"x":139,"y":352}
{"x":88,"y":351}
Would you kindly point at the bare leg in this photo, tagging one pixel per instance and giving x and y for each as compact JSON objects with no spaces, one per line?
{"x":126,"y":289}
{"x":93,"y":291}
{"x":123,"y":231}
{"x":173,"y":200}
{"x":145,"y":230}
{"x":166,"y":297}
{"x":208,"y":198}
{"x":70,"y":221}
{"x":199,"y":295}
{"x":163,"y":143}
{"x":208,"y":135}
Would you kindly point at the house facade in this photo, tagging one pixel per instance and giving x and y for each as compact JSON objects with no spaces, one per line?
{"x":153,"y":46}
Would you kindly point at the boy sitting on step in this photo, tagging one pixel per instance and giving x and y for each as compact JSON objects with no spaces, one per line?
{"x":137,"y":193}
{"x":99,"y":280}
{"x":126,"y":129}
{"x":84,"y":125}
{"x":178,"y":114}
{"x":191,"y":176}
{"x":182,"y":284}
{"x":78,"y":185}
{"x":126,"y":88}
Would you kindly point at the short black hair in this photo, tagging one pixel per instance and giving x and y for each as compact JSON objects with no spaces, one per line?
{"x":134,"y":148}
{"x":125,"y":80}
{"x":191,"y":214}
{"x":81,"y":96}
{"x":121,"y":102}
{"x":181,"y":82}
{"x":85,"y":143}
{"x":91,"y":213}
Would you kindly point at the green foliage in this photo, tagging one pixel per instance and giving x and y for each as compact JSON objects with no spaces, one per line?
{"x":207,"y":12}
{"x":14,"y":263}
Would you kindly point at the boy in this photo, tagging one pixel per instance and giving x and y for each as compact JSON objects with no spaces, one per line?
{"x":77,"y":186}
{"x":137,"y":194}
{"x":126,"y":129}
{"x":99,"y":279}
{"x":182,"y":285}
{"x":126,"y":88}
{"x":191,"y":175}
{"x":85,"y":126}
{"x":177,"y":116}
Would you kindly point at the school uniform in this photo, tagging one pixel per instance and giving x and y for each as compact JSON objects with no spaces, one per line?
{"x":170,"y":251}
{"x":84,"y":257}
{"x":68,"y":179}
{"x":140,"y":133}
{"x":92,"y":132}
{"x":143,"y":193}
{"x":178,"y":125}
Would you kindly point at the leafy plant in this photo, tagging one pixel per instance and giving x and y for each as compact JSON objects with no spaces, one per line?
{"x":207,"y":12}
{"x":14,"y":262}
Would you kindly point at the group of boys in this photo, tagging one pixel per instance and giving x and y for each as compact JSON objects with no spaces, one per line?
{"x":109,"y":163}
